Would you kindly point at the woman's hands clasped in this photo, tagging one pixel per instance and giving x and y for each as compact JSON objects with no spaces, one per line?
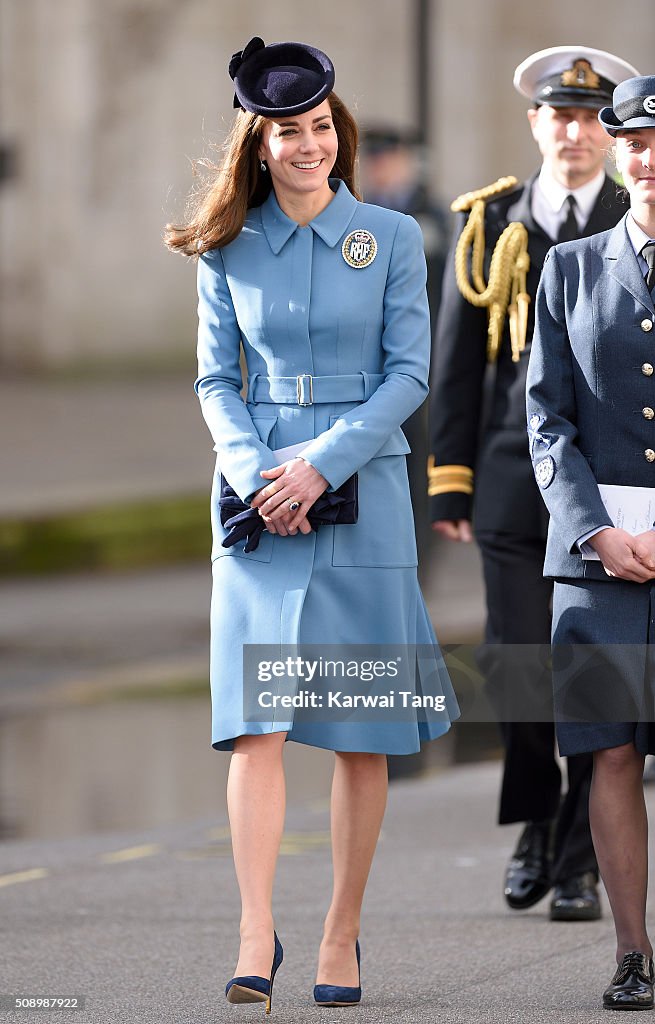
{"x":293,"y":481}
{"x":625,"y":556}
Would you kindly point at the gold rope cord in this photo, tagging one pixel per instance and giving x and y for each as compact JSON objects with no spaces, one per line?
{"x":506,"y":291}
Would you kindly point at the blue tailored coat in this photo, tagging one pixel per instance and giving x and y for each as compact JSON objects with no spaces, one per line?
{"x":337,"y":357}
{"x":590,"y":389}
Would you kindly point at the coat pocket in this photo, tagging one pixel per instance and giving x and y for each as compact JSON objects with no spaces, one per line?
{"x":264,"y":550}
{"x":383,"y":535}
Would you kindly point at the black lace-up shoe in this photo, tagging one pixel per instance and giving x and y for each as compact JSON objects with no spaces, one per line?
{"x":527,"y":879}
{"x":632,"y":985}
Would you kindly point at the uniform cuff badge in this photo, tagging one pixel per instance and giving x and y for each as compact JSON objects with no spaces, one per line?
{"x":544,"y":471}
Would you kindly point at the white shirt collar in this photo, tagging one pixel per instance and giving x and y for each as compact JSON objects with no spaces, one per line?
{"x":585,"y":196}
{"x":637,"y":235}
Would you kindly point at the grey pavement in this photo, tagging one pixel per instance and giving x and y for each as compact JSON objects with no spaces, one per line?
{"x":144,"y":924}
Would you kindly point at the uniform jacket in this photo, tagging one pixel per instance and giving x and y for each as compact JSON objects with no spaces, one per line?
{"x":337,"y":356}
{"x":591,"y":389}
{"x":478,"y":423}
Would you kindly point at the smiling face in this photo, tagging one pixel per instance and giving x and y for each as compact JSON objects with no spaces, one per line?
{"x":571,"y":141}
{"x":300,"y":152}
{"x":635,"y":161}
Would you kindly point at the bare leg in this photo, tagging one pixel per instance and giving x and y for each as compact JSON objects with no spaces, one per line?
{"x":619,"y":826}
{"x":256,"y":804}
{"x":359,"y":796}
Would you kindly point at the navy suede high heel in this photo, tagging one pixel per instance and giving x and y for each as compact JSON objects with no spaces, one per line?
{"x":251,"y":988}
{"x":340,"y":995}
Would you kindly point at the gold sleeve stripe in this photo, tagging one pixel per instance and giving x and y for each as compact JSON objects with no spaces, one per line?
{"x":443,"y":479}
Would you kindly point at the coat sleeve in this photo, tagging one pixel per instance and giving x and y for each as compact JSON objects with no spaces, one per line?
{"x":359,"y":434}
{"x":241,"y":452}
{"x":458,"y":368}
{"x":567,"y":483}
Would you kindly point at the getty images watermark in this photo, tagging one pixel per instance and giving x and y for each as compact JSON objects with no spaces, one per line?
{"x":337,"y":682}
{"x":388,"y":683}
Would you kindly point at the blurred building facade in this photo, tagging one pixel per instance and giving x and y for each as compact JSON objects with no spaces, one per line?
{"x":103,"y":105}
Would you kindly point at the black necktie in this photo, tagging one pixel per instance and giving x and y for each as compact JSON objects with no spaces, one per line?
{"x":648,"y":252}
{"x":569,"y":228}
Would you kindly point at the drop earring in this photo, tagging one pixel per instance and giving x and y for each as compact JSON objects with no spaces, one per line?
{"x":262,"y":164}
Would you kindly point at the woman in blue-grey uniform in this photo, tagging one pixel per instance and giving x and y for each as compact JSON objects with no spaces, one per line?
{"x":314,"y":546}
{"x":591,"y":414}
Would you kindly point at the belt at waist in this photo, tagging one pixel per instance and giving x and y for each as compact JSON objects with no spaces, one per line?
{"x":308,"y":390}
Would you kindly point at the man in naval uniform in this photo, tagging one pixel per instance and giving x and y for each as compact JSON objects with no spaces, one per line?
{"x":480,"y":467}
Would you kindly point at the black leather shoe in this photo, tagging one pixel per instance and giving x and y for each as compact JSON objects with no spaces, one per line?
{"x":632,"y":985}
{"x":527,"y":879}
{"x":576,"y":899}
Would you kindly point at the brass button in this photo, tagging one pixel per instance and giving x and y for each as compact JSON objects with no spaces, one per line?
{"x":650,"y":455}
{"x":647,"y":370}
{"x":646,"y":325}
{"x":648,"y":413}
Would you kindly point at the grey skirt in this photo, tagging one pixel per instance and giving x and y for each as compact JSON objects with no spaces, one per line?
{"x":604,"y":665}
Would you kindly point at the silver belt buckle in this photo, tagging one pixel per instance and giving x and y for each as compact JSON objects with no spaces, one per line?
{"x":303,"y":390}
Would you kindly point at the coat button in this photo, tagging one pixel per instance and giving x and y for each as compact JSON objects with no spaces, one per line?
{"x":647,"y":369}
{"x":650,"y":455}
{"x":646,"y":325}
{"x":648,"y":413}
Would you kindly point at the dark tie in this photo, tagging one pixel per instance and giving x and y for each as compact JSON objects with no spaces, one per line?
{"x":648,"y":252}
{"x":569,"y":228}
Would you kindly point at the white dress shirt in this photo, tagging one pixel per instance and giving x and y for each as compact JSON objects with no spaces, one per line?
{"x":549,"y":207}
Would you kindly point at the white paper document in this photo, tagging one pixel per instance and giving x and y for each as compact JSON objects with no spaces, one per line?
{"x":630,"y":508}
{"x":290,"y":452}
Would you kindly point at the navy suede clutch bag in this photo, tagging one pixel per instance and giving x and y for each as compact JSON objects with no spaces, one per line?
{"x":331,"y":508}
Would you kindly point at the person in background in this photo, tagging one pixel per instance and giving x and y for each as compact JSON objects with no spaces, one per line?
{"x":590,"y":406}
{"x":392,"y":174}
{"x":480,"y":360}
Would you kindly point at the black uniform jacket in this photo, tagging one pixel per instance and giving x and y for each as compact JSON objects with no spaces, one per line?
{"x":477,"y":420}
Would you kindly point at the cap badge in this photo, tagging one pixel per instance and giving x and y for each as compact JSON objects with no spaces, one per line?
{"x":649,"y":104}
{"x":581,"y":76}
{"x":359,"y":249}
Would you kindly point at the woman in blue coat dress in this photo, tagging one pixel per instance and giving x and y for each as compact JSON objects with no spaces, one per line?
{"x":591,"y":399}
{"x":325,"y":297}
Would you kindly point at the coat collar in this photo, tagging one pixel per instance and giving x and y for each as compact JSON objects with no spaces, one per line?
{"x":624,"y":265}
{"x":330,"y":224}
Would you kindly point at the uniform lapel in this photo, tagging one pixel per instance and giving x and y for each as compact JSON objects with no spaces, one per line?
{"x":521,"y":210}
{"x":624,"y":267}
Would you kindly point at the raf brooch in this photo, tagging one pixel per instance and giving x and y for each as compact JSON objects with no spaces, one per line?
{"x":359,"y":249}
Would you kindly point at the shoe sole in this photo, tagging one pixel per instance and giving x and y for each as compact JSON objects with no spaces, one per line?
{"x":351,"y":1003}
{"x":576,"y":915}
{"x":608,"y":1006}
{"x":239,"y":994}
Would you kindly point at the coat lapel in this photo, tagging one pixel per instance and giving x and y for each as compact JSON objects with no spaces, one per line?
{"x":521,"y":210}
{"x":624,"y":267}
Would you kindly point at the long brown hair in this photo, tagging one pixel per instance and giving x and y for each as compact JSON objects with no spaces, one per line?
{"x":218,"y":206}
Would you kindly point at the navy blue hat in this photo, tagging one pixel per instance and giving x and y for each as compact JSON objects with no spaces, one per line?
{"x":282,"y":79}
{"x":633,"y":106}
